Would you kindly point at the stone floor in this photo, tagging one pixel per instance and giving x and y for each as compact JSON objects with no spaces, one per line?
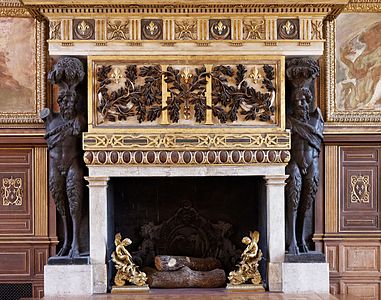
{"x":206,"y":294}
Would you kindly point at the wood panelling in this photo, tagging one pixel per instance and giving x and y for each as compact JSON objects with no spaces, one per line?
{"x":359,"y":188}
{"x":16,"y":217}
{"x":364,"y":289}
{"x":15,"y":261}
{"x":331,"y":183}
{"x":41,"y":192}
{"x":331,"y":253}
{"x":361,"y":259}
{"x":26,"y":239}
{"x":352,"y":195}
{"x":38,"y":290}
{"x":334,"y":288}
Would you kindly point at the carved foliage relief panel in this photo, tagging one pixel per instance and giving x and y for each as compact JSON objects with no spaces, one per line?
{"x":22,"y":64}
{"x":360,"y":188}
{"x":183,"y":91}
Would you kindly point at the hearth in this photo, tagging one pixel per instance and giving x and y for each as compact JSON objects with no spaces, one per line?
{"x":187,"y":216}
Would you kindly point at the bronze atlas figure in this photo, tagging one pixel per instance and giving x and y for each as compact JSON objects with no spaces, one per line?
{"x":63,"y":136}
{"x":306,"y":124}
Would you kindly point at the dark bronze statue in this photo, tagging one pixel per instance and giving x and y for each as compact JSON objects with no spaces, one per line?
{"x":306,"y":124}
{"x":63,"y":136}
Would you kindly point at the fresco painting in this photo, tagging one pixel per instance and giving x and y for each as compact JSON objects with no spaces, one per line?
{"x":17,"y":65}
{"x":358,"y":62}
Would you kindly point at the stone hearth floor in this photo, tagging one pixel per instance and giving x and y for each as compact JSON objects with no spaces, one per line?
{"x":206,"y":294}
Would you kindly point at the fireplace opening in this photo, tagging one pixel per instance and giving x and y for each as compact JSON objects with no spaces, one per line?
{"x":187,"y":216}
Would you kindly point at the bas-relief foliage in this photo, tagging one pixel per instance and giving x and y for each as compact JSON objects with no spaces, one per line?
{"x":358,"y":59}
{"x":17,"y":65}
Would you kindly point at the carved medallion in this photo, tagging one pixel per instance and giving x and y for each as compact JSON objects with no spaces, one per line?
{"x":12,"y":191}
{"x":117,"y":30}
{"x":219,"y":29}
{"x":254,"y":29}
{"x":55,"y":30}
{"x":360,"y":189}
{"x":186,"y":30}
{"x":288,"y":29}
{"x":83,"y":29}
{"x":152,"y":29}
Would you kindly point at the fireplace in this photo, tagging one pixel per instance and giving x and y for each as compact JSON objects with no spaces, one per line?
{"x":186,"y":99}
{"x":187,"y":216}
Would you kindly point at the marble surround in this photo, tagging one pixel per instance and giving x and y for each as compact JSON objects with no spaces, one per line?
{"x":98,"y":181}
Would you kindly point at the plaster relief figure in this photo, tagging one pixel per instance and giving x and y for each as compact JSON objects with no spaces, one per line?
{"x":63,"y":136}
{"x":306,"y":125}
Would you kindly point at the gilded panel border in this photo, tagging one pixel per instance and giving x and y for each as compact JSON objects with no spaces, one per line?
{"x":278,"y":126}
{"x":31,"y":117}
{"x":336,"y":118}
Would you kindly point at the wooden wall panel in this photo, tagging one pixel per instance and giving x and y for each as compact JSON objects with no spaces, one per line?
{"x":361,"y":259}
{"x":15,"y":261}
{"x":16,"y":201}
{"x":26,"y":240}
{"x":332,"y":254}
{"x":364,"y":289}
{"x":360,"y":189}
{"x":352,"y":239}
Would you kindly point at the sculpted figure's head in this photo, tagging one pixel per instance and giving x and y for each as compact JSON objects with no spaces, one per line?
{"x":67,"y":103}
{"x":301,"y":103}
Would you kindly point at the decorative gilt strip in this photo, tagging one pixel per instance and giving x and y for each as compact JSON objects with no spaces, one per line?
{"x":237,"y":29}
{"x":331,"y":191}
{"x":271,"y":28}
{"x":371,"y":7}
{"x":100,"y":30}
{"x":203,"y":29}
{"x":224,"y":157}
{"x":14,"y":12}
{"x":41,"y":202}
{"x":164,"y":97}
{"x":169,"y":30}
{"x":208,"y":95}
{"x":276,"y":141}
{"x":135,"y":29}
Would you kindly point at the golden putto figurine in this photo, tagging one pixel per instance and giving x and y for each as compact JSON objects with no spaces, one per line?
{"x":248,"y":267}
{"x":126,"y":268}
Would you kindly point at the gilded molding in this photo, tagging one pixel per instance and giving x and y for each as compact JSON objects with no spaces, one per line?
{"x":187,"y":141}
{"x":18,"y":12}
{"x":157,"y":157}
{"x":373,"y":6}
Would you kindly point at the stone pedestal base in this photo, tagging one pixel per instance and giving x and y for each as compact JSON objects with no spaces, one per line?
{"x":65,"y":280}
{"x":305,"y":278}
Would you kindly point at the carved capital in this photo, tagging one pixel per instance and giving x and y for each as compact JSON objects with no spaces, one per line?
{"x":301,"y":71}
{"x":97,"y":181}
{"x":272,"y":180}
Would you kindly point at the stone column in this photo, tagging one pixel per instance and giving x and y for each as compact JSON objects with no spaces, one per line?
{"x":276,"y":235}
{"x":98,"y":231}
